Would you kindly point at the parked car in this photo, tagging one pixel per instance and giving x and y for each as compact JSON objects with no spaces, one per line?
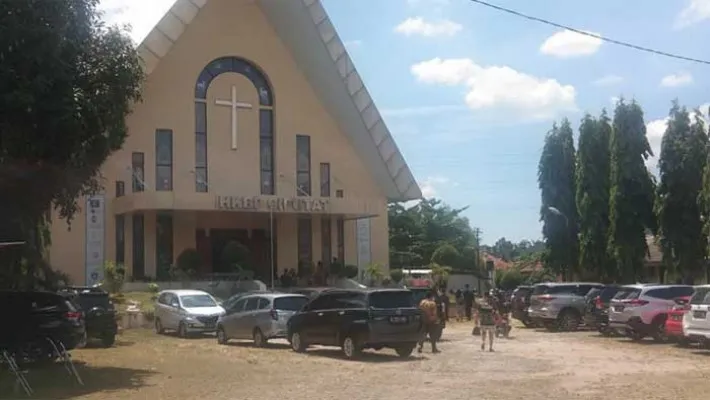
{"x":696,"y":325}
{"x":596,"y":315}
{"x":520,"y":302}
{"x":644,"y":310}
{"x":310,"y":292}
{"x":674,"y":322}
{"x":358,"y":319}
{"x":35,"y":316}
{"x":186,"y":311}
{"x":230,"y":301}
{"x":559,"y":306}
{"x":99,"y":312}
{"x":259,"y":317}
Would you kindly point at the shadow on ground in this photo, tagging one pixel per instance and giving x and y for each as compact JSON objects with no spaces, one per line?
{"x":366,"y":357}
{"x":269,"y":346}
{"x":54,"y":382}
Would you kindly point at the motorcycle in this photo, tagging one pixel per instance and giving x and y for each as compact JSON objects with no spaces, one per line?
{"x":503,"y":327}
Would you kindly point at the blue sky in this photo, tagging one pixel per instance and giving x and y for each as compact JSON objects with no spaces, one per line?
{"x":469,"y":92}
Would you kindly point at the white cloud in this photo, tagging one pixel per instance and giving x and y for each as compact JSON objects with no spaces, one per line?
{"x":499,"y":87}
{"x":613,"y":100}
{"x":140,"y":14}
{"x":694,"y":12}
{"x":609,"y":80}
{"x":419,"y":26}
{"x":567,"y":44}
{"x":676,"y":80}
{"x":431,"y":185}
{"x":352,"y":44}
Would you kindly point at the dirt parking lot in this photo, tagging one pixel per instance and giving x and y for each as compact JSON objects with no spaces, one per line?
{"x":532,"y":365}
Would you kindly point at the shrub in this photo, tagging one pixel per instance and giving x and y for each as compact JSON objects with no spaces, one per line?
{"x":396,"y":275}
{"x":114,"y":277}
{"x":187,"y":263}
{"x":350,"y":271}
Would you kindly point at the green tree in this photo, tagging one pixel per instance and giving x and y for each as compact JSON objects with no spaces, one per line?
{"x":68,"y":83}
{"x":509,"y":279}
{"x":417,"y":232}
{"x":681,"y":165}
{"x":558,"y":211}
{"x":631,"y":195}
{"x":447,"y":255}
{"x":593,"y":196}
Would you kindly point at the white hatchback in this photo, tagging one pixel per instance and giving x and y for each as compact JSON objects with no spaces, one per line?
{"x":696,"y":322}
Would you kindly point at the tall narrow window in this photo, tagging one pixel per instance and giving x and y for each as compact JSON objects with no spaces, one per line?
{"x":266,"y":151}
{"x":340,"y":227}
{"x":120,"y":239}
{"x":138,"y":246}
{"x":303,"y":165}
{"x":326,"y":241}
{"x":201,"y":147}
{"x":339,"y":193}
{"x":163,"y":246}
{"x":138,"y":171}
{"x":120,"y":188}
{"x":305,"y":240}
{"x":164,"y":159}
{"x":325,"y":179}
{"x":261,"y":84}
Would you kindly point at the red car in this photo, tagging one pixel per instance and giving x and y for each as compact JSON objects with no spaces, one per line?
{"x":674,"y":322}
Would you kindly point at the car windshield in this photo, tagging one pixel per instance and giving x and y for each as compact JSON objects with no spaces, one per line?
{"x":290,"y":303}
{"x":624,"y":293}
{"x":197,"y":300}
{"x":392,"y":299}
{"x":701,"y":296}
{"x":540,"y":289}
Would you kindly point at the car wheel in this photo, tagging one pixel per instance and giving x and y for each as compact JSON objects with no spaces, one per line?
{"x":636,"y":336}
{"x":259,"y":339}
{"x":527,"y":323}
{"x":568,"y":321}
{"x":659,"y":330}
{"x":182,"y":330}
{"x":351,"y":347}
{"x":221,"y":336}
{"x":159,"y":327}
{"x":405,"y":350}
{"x":108,"y":339}
{"x":297,"y":343}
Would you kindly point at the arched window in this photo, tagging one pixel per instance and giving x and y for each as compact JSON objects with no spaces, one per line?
{"x":266,"y":119}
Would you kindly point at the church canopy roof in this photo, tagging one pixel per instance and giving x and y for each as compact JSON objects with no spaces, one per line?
{"x":306,"y":30}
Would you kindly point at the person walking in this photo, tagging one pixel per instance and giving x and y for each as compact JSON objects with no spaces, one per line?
{"x":468,"y":301}
{"x":430,"y":312}
{"x":459,"y":305}
{"x":486,"y":320}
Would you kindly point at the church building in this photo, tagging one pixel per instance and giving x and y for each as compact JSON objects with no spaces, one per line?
{"x":254,"y":127}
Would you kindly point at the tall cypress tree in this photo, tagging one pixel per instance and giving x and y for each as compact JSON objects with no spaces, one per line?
{"x":631,"y":195}
{"x":593,"y":159}
{"x":558,"y":211}
{"x":681,"y":166}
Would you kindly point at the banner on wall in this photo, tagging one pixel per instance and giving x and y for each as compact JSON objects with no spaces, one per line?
{"x":364,"y":248}
{"x":94,"y":239}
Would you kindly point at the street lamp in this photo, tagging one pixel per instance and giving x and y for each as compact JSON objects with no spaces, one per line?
{"x":559,"y":213}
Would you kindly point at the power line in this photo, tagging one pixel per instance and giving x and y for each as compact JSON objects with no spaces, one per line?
{"x":606,"y":39}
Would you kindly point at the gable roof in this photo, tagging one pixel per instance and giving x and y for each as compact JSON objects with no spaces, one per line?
{"x":306,"y":30}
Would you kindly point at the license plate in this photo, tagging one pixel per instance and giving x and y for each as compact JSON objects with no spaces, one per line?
{"x":699,"y":314}
{"x":618,"y":308}
{"x":398,"y":320}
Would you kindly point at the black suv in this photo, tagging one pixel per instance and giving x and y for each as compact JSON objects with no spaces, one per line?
{"x":358,"y":319}
{"x":519,"y":302}
{"x":99,"y":312}
{"x":34,"y":317}
{"x":596,"y":315}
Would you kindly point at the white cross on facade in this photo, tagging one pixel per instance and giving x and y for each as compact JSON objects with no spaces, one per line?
{"x":235,"y":106}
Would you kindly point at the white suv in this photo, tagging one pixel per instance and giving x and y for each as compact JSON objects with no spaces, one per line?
{"x":696,"y":325}
{"x":642,"y":309}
